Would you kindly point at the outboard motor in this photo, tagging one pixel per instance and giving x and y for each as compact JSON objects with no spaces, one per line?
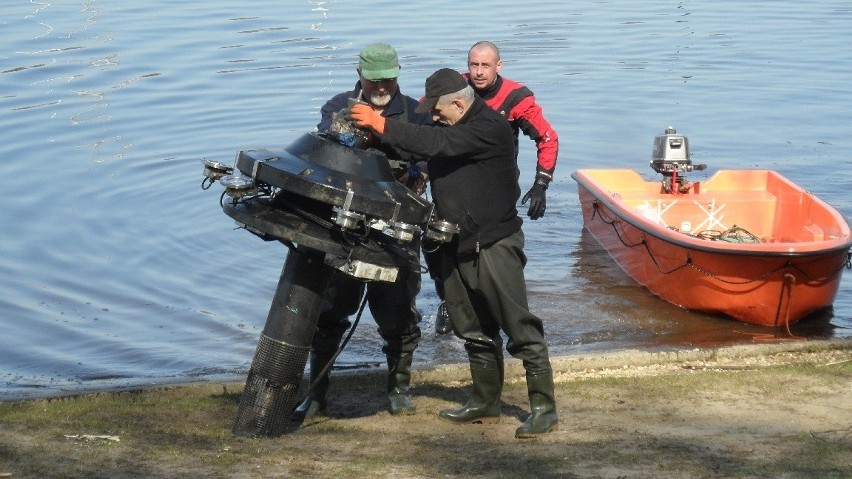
{"x":339,"y":209}
{"x":671,"y":158}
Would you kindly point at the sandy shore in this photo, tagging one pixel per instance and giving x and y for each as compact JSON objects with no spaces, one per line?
{"x":761,"y":410}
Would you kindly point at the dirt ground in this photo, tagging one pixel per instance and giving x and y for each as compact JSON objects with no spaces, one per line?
{"x":768,"y":410}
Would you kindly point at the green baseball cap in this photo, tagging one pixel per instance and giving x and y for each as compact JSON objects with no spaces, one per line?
{"x":379,"y":62}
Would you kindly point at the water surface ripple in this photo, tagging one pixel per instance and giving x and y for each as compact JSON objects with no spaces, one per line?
{"x":117,"y":270}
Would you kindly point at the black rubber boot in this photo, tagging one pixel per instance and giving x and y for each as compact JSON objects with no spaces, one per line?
{"x":442,"y":319}
{"x":543,"y":418}
{"x":314,"y":403}
{"x":484,"y":404}
{"x":399,"y":379}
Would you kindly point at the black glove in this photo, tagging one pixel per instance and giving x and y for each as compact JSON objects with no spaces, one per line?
{"x":538,"y":201}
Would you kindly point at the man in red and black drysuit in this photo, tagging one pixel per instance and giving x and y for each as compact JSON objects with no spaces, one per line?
{"x":516,"y":103}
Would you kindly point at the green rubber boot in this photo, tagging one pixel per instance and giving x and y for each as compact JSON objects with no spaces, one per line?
{"x":483,"y":407}
{"x":399,"y":379}
{"x":543,"y":418}
{"x":314,"y":403}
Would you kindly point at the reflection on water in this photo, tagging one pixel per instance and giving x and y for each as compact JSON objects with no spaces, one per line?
{"x":118,"y":270}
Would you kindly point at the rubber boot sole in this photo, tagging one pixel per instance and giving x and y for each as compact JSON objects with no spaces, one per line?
{"x":532,"y":435}
{"x":476,"y":420}
{"x":401,"y":405}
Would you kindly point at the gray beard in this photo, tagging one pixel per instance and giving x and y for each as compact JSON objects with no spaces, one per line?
{"x":378,"y":99}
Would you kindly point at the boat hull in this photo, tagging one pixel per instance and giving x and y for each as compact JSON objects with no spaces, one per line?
{"x":791,"y":272}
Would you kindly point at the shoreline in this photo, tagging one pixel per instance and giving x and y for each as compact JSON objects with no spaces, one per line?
{"x":747,"y":411}
{"x":564,"y":365}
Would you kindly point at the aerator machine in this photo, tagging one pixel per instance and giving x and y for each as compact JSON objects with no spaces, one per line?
{"x":338,"y":208}
{"x":671,"y":159}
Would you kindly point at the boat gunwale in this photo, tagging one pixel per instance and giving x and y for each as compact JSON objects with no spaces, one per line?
{"x":674,"y":237}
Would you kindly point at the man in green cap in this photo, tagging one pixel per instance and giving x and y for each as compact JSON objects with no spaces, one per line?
{"x":392,"y":304}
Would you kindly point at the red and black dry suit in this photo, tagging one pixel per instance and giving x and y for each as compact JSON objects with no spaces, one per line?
{"x":516,"y":103}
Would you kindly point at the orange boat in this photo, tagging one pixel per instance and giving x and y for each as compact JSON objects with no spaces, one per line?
{"x":749,"y":244}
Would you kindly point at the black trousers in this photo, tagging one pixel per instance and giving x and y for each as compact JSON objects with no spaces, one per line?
{"x":392,"y":305}
{"x":433,"y":264}
{"x":487,"y":293}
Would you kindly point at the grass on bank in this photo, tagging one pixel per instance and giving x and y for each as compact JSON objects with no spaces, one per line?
{"x":606,"y":429}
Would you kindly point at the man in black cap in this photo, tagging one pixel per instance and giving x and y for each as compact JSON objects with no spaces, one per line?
{"x":518,"y":104}
{"x":474,"y":175}
{"x":391,"y":304}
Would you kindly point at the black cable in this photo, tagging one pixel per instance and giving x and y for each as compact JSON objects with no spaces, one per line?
{"x":331,"y":361}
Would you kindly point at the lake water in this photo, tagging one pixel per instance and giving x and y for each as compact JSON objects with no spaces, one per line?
{"x":118,"y":270}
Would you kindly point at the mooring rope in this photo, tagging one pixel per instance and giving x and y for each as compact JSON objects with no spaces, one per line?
{"x":789,"y":283}
{"x":734,"y":234}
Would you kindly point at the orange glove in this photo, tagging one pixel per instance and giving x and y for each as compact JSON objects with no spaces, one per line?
{"x":365,"y":117}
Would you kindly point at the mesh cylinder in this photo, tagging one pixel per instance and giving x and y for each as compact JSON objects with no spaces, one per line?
{"x":271,"y":389}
